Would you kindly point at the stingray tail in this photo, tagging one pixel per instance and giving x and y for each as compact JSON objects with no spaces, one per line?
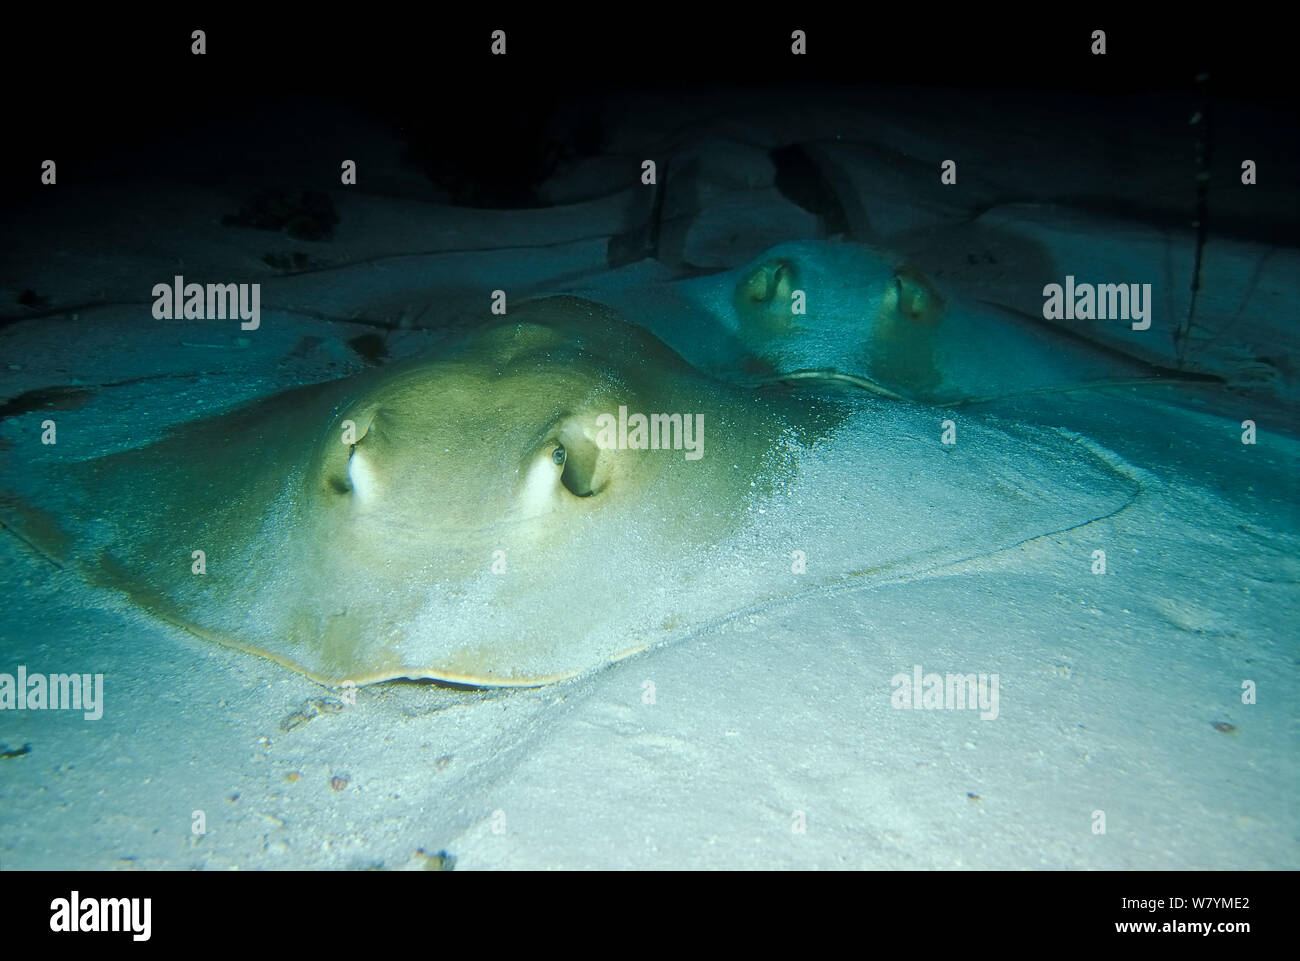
{"x":38,"y":530}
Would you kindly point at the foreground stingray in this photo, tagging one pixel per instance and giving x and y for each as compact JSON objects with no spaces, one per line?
{"x":487,"y":516}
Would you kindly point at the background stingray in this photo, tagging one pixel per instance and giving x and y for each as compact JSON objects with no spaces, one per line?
{"x":454,"y":517}
{"x":872,"y":321}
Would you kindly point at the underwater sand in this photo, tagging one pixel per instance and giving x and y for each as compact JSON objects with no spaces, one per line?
{"x":1119,"y":693}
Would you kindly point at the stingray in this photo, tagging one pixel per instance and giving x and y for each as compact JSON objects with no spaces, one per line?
{"x":866,"y":319}
{"x":491,"y":514}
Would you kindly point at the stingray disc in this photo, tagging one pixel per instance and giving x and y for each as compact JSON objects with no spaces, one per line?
{"x":498,"y":514}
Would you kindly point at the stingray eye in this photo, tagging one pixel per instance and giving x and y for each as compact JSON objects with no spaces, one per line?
{"x":567,"y":465}
{"x":361,"y":475}
{"x":356,"y":474}
{"x":582,"y":475}
{"x":914,"y":296}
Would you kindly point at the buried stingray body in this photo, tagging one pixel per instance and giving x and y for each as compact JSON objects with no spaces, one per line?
{"x":455,"y":518}
{"x":350,"y":529}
